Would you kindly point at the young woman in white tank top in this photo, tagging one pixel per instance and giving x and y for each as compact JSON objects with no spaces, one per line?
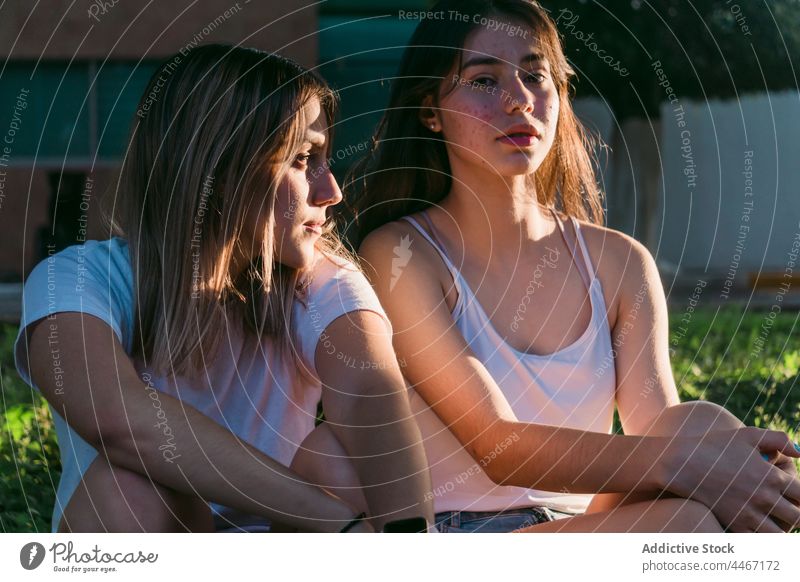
{"x":521,"y":327}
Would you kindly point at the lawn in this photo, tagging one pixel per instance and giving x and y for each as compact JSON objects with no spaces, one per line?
{"x":745,"y":361}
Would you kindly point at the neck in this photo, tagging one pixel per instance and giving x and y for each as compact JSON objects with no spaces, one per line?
{"x":501,"y":214}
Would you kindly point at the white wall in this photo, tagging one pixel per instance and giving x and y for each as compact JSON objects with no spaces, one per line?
{"x":706,"y":221}
{"x":708,"y":225}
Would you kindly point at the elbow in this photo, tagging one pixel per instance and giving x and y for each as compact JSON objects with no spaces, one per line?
{"x":112,"y":430}
{"x":496,"y":476}
{"x":495,"y":452}
{"x":136,"y":435}
{"x":110,"y":435}
{"x":117,"y":443}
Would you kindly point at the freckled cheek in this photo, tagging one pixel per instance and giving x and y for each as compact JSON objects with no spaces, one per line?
{"x":474,"y":124}
{"x":547,"y":116}
{"x":484,"y":114}
{"x":551,"y":112}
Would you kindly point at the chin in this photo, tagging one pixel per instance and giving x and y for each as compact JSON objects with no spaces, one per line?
{"x":518,"y":167}
{"x":300,"y":259}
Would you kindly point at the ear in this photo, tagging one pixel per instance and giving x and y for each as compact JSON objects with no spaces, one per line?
{"x":429,"y":115}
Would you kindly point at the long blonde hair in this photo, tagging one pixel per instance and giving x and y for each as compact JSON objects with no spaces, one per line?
{"x":407,"y":169}
{"x":214,"y":133}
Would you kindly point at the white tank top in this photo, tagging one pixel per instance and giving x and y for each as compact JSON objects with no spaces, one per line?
{"x":573,"y":387}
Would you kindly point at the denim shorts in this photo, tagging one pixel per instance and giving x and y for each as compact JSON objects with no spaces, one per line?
{"x":495,"y":521}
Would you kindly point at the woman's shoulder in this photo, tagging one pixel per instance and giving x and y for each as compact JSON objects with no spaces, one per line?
{"x":624,"y":265}
{"x":611,"y":243}
{"x":336,"y":286}
{"x":397,"y":241}
{"x":94,"y":248}
{"x":94,"y":278}
{"x":96,"y":259}
{"x":398,"y":256}
{"x":388,"y":233}
{"x":335,"y":273}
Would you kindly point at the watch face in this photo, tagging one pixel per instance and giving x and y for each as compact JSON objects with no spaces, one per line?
{"x":410,"y":525}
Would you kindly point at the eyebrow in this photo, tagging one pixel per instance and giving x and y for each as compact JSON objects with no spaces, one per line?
{"x":477,"y":61}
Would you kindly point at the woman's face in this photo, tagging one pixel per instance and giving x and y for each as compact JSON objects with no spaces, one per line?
{"x":500,"y":111}
{"x":304,"y":194}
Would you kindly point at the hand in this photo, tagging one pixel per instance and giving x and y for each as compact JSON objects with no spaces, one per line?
{"x":725,"y":471}
{"x":788,"y":466}
{"x":784,"y":463}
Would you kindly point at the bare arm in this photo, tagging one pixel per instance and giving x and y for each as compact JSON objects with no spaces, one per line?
{"x":106,"y":403}
{"x":366,"y":405}
{"x":645,"y":384}
{"x":451,"y":379}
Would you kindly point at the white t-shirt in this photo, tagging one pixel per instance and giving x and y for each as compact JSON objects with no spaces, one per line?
{"x":246,"y":388}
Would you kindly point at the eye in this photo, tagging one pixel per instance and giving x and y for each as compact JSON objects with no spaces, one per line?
{"x":535,"y":77}
{"x":484,"y":81}
{"x":301,"y":160}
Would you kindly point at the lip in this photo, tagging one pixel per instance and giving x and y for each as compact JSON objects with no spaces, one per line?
{"x":521,"y":135}
{"x":315,"y":227}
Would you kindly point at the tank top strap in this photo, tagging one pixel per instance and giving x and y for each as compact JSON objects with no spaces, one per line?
{"x":431,"y":229}
{"x":434,"y":241}
{"x":581,"y":263}
{"x":587,"y":261}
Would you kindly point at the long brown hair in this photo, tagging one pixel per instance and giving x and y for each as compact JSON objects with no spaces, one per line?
{"x":407,"y":168}
{"x":215,"y":130}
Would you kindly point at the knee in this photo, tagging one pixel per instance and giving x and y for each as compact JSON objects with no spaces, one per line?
{"x":155,"y":508}
{"x":319,"y":448}
{"x":687,"y":516}
{"x":694,"y":418}
{"x":322,"y":441}
{"x":113,"y":499}
{"x":322,"y":459}
{"x":149,"y":504}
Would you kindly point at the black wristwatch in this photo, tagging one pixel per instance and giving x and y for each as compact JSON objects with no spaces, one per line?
{"x":409,"y":525}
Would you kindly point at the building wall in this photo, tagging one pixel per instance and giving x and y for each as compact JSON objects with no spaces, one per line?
{"x":81,"y":69}
{"x":712,"y":188}
{"x":127,"y":29}
{"x":730,"y":198}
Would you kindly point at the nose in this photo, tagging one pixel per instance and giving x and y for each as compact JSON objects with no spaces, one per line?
{"x":326,"y":190}
{"x":517,"y":96}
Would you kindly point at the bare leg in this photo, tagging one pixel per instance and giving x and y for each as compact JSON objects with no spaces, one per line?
{"x":689,"y":419}
{"x":112,"y":499}
{"x":663,"y":515}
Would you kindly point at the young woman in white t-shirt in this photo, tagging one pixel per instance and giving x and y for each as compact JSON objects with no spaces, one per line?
{"x":184,"y":359}
{"x":522,"y":323}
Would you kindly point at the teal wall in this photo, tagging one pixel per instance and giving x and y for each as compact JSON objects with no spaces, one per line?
{"x":360,"y":45}
{"x":74,"y":110}
{"x":85,"y":108}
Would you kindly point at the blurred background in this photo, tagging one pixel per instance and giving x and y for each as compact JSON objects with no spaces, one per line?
{"x":696,"y":103}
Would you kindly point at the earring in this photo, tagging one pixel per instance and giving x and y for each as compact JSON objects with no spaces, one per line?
{"x":432,"y":126}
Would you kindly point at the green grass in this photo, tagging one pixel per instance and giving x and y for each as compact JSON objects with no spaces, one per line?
{"x":29,"y":461}
{"x":714,"y":359}
{"x":718,"y":359}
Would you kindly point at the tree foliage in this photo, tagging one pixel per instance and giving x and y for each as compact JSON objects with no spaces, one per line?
{"x":708,"y":48}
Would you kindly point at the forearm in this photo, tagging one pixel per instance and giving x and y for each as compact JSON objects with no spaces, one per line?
{"x":562,"y":459}
{"x":181,"y":448}
{"x":385,"y":446}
